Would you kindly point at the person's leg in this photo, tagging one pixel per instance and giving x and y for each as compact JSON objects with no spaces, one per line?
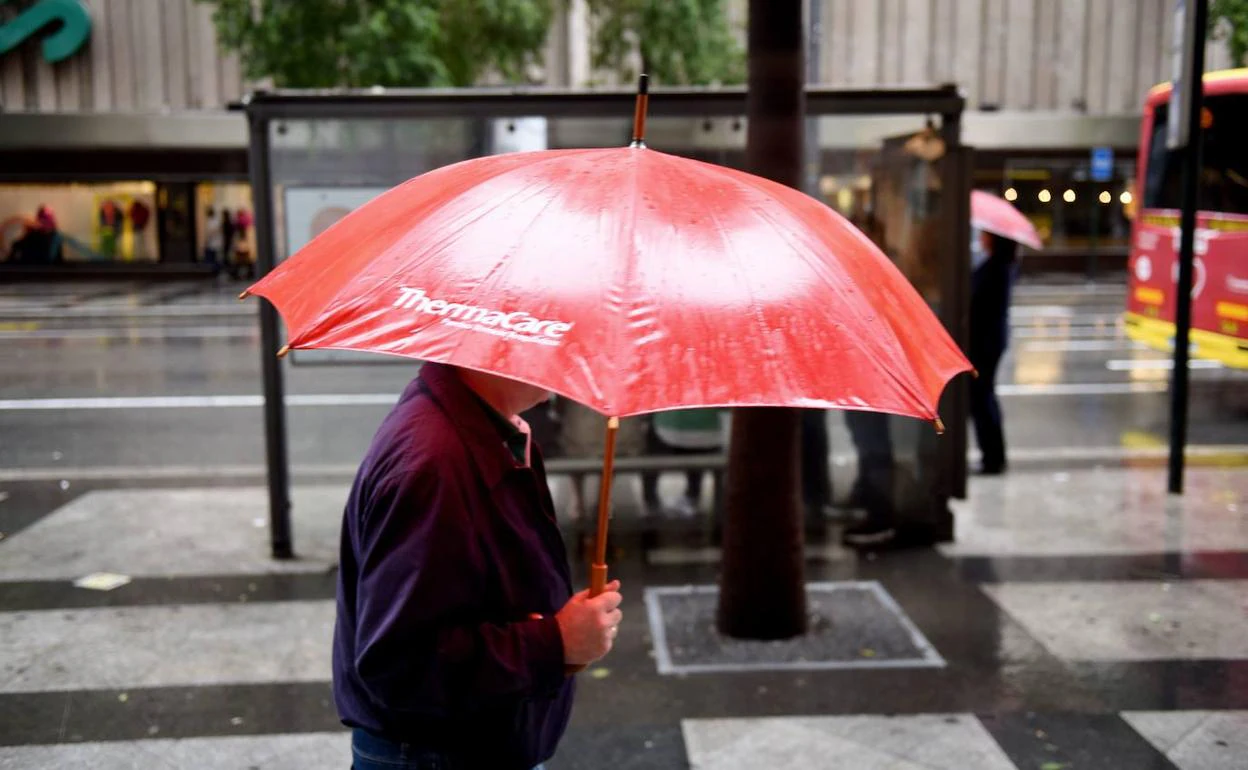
{"x":816,"y":478}
{"x":986,"y":410}
{"x":372,"y":752}
{"x":650,"y":489}
{"x":693,"y":486}
{"x":874,"y":486}
{"x":1000,"y":462}
{"x":690,"y":503}
{"x":650,"y":479}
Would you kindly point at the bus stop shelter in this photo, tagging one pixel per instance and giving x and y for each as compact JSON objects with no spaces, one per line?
{"x":891,"y":160}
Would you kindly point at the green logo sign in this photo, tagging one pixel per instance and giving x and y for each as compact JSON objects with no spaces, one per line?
{"x":67,"y":21}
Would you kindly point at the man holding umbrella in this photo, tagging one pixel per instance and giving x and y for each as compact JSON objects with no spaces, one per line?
{"x":456,"y":625}
{"x":451,"y":561}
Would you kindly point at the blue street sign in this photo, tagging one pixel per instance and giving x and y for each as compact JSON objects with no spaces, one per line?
{"x":1102,"y":164}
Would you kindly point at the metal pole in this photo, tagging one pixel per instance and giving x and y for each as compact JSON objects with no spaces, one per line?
{"x":1187,"y":224}
{"x":955,"y":235}
{"x":270,"y":340}
{"x":814,"y":39}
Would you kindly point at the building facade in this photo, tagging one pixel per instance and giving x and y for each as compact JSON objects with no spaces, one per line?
{"x":128,"y":111}
{"x":1094,"y":57}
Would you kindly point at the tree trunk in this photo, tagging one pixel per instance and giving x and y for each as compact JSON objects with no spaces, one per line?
{"x":762,"y":588}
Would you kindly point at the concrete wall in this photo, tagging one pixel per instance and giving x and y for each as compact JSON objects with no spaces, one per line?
{"x":1101,"y":56}
{"x":143,"y":56}
{"x":1095,"y":55}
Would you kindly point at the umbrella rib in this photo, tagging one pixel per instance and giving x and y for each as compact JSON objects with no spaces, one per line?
{"x":618,"y":289}
{"x":333,"y":301}
{"x":892,"y":365}
{"x":427,"y":253}
{"x":771,"y":363}
{"x":479,"y":289}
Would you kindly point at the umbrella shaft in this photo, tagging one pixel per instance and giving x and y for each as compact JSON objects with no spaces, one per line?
{"x":639,"y":112}
{"x":598,"y":570}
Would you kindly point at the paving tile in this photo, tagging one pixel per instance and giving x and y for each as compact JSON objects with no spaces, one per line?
{"x":1101,"y":511}
{"x":1131,"y":621}
{"x":921,"y":742}
{"x":1072,"y":741}
{"x":171,"y":532}
{"x":309,"y":751}
{"x":118,"y":647}
{"x":1196,"y":740}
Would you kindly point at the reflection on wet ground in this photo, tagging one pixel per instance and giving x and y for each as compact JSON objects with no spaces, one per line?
{"x":1081,"y":618}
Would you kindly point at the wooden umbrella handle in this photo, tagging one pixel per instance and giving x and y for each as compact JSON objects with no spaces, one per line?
{"x":598,"y":569}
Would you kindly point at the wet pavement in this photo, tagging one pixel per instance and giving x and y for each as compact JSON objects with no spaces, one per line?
{"x":96,"y":377}
{"x":1081,"y":619}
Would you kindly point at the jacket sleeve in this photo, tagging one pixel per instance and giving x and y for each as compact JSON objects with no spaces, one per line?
{"x":420,"y":647}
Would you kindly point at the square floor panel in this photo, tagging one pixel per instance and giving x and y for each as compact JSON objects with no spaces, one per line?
{"x":1101,"y":511}
{"x":1132,"y":620}
{"x":922,"y":742}
{"x":1196,"y":740}
{"x":174,"y":532}
{"x":311,"y":751}
{"x":177,"y":645}
{"x":853,"y":625}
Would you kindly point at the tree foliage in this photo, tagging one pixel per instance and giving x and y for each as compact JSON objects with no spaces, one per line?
{"x":361,"y":43}
{"x":677,"y":42}
{"x":1235,"y":30}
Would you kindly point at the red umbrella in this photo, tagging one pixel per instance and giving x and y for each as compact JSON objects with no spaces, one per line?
{"x":999,"y":217}
{"x":625,"y":279}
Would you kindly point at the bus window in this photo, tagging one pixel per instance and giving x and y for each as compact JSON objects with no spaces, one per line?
{"x":1224,"y":159}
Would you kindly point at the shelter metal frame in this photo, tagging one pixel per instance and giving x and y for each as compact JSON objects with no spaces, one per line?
{"x":262,"y":108}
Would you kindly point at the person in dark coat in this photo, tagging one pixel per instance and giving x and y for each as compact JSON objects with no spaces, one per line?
{"x":991,"y":284}
{"x":457,"y":625}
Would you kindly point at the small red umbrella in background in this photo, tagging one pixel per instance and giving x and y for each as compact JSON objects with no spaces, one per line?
{"x":999,"y":217}
{"x":626,"y":279}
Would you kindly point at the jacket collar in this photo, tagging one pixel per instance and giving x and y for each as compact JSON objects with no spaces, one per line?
{"x":473,"y":424}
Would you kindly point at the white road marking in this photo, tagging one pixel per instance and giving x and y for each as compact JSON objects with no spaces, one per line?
{"x":137,"y":311}
{"x":1080,"y":389}
{"x":387,"y":399}
{"x":192,"y":402}
{"x":1106,"y":454}
{"x":1154,"y":364}
{"x":1080,"y":346}
{"x":177,"y":332}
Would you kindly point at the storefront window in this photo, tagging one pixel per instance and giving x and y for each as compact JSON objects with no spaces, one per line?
{"x":1071,"y":210}
{"x":67,"y":223}
{"x":225,"y":236}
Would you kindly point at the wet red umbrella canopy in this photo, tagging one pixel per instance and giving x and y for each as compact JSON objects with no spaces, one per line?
{"x":626,"y":279}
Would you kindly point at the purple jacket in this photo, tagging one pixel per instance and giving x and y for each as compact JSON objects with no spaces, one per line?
{"x":449,"y":548}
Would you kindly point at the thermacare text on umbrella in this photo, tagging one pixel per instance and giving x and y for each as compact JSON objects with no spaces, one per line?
{"x":518,"y":325}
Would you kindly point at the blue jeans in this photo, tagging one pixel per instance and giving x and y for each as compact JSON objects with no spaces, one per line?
{"x":370,"y":752}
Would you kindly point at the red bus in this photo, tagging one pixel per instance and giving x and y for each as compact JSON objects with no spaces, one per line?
{"x":1220,"y":265}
